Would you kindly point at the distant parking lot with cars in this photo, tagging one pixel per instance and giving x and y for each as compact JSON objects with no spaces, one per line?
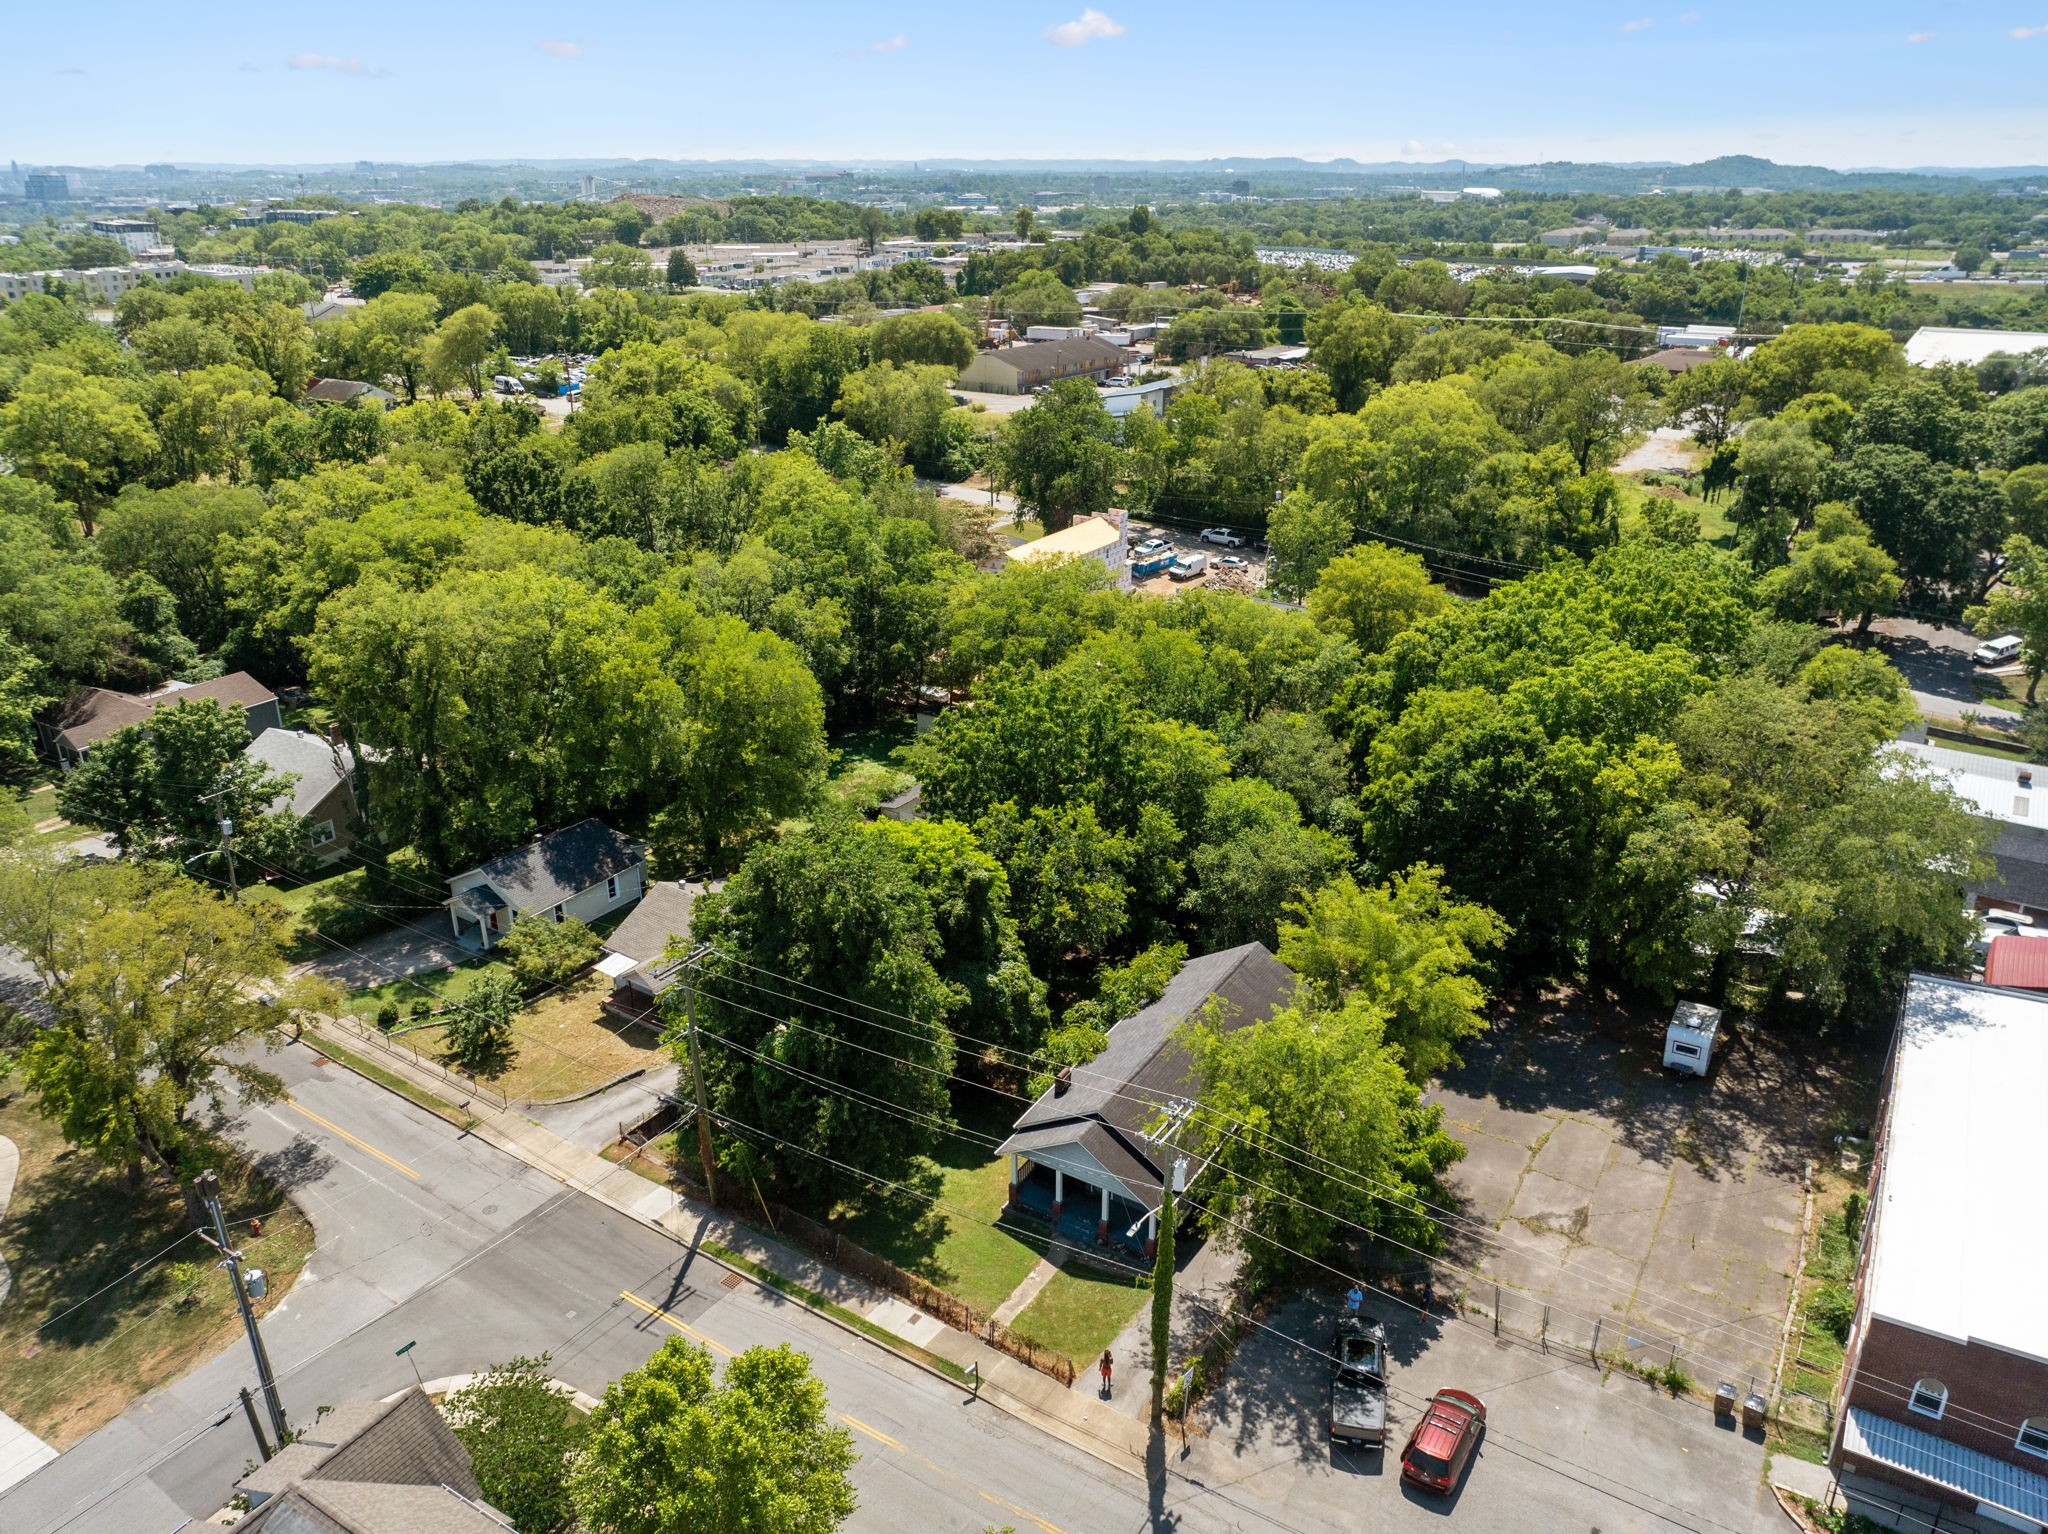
{"x":1150,"y":540}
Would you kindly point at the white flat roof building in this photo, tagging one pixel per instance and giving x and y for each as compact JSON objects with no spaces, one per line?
{"x":1931,"y":345}
{"x":1955,"y":1249}
{"x":1091,"y":537}
{"x":2013,"y":792}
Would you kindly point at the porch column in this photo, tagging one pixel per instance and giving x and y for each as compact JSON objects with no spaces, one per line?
{"x":1016,"y":1175}
{"x":1059,"y":1193}
{"x":1152,"y":1234}
{"x":1102,"y":1225}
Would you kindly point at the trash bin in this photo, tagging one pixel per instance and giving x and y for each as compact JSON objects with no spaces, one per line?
{"x":1753,"y":1411}
{"x":1724,"y":1399}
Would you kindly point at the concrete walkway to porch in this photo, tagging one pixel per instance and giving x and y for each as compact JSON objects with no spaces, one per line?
{"x":1027,"y":1290}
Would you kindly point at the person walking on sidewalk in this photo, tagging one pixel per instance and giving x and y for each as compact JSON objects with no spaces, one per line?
{"x":1105,"y":1366}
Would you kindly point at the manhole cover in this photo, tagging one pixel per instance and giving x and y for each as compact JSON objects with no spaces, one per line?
{"x":730,"y":1281}
{"x":490,"y":1209}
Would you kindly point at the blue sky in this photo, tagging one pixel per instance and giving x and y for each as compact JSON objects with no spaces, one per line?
{"x":1876,"y":83}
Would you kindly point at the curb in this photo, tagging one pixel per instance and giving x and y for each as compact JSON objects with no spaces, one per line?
{"x":1051,"y":1426}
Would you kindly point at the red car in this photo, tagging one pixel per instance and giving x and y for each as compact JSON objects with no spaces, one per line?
{"x":1442,"y":1441}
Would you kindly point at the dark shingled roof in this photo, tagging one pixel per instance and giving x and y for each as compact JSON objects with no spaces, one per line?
{"x":663,"y":913}
{"x":2022,"y":861}
{"x":1048,"y":355}
{"x":97,"y":712}
{"x":400,"y":1442}
{"x":561,"y":864}
{"x":1118,"y":1095}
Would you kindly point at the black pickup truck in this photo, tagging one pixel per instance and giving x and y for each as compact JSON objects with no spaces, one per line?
{"x":1358,"y":1382}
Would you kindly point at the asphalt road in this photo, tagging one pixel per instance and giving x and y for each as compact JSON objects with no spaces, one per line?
{"x":436,"y":1239}
{"x":429,"y":1237}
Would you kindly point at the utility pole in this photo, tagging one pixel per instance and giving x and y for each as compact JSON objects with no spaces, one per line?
{"x":697,"y":1066}
{"x":227,"y":844}
{"x":1175,"y":1181}
{"x":207,"y":1186}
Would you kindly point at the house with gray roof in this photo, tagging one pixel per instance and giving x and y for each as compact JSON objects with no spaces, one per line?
{"x":371,"y":1467}
{"x":322,"y":796}
{"x":1081,"y":1148}
{"x":587,"y":871}
{"x":98,"y":712}
{"x":637,"y":951}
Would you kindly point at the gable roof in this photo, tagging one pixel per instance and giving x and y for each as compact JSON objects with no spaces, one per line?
{"x":339,"y":391}
{"x":358,"y":1507}
{"x":318,"y":765}
{"x":399,"y":1442}
{"x":1115,"y":1097}
{"x":98,"y":712}
{"x":663,"y":913}
{"x":1042,"y":356}
{"x":561,"y":864}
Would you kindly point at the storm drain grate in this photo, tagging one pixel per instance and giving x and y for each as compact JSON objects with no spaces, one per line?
{"x":730,"y":1281}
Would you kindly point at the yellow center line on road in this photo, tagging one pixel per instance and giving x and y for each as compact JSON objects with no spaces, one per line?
{"x":661,"y":1315}
{"x":875,"y":1433}
{"x":362,"y":1145}
{"x":1029,"y":1517}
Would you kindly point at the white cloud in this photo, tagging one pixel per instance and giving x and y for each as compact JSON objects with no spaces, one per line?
{"x":2023,"y":33}
{"x":1687,"y":19}
{"x":1090,"y":25}
{"x":561,"y":48}
{"x":1919,"y":37}
{"x":327,"y":61}
{"x":71,"y":70}
{"x":1640,"y":24}
{"x":894,"y":44}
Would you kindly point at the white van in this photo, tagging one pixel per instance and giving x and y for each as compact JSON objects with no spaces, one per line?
{"x":1689,"y":1040}
{"x":1997,"y":652}
{"x":1188,"y":567}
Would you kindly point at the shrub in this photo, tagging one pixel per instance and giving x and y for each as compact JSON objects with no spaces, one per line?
{"x":480,"y":1029}
{"x":1852,"y":1218}
{"x":186,"y":1277}
{"x":549,"y":952}
{"x":1832,"y":1308}
{"x":387,"y":1015}
{"x":1674,"y":1379}
{"x":422,"y":1010}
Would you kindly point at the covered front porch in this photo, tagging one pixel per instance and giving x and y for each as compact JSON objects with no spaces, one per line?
{"x":1084,"y":1206}
{"x":480,"y":917}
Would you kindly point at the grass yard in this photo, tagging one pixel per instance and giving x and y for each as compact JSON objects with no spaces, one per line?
{"x":567,"y":1043}
{"x":1080,"y":1312}
{"x":1715,"y":527}
{"x":72,"y":1358}
{"x":952,"y":1239}
{"x":437,"y":987}
{"x":868,"y":765}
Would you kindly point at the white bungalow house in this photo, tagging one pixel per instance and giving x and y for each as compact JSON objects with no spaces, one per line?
{"x":1079,"y":1152}
{"x":586,"y":871}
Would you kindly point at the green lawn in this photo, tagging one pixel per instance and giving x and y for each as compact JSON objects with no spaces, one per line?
{"x":1080,"y":1312}
{"x":868,"y":764}
{"x":436,"y":986}
{"x":951,"y":1239}
{"x":95,"y":1319}
{"x":1714,"y":524}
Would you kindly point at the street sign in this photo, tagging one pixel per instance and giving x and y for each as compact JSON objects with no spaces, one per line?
{"x":407,"y":1348}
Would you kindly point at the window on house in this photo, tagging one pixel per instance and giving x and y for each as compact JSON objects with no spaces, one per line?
{"x":558,"y":914}
{"x":323,"y":833}
{"x":2034,"y":1436}
{"x":1929,"y":1397}
{"x":611,"y":887}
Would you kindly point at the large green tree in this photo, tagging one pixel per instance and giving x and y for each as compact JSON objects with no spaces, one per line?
{"x":673,"y":1449}
{"x":523,"y":1432}
{"x":1060,"y":457}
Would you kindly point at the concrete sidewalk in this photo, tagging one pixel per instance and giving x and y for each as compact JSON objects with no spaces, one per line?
{"x":1075,"y":1417}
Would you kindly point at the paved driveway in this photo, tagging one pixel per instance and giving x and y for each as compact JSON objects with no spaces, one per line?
{"x":1936,"y":664}
{"x":1568,"y":1448}
{"x":412,"y":948}
{"x":1616,"y":1205}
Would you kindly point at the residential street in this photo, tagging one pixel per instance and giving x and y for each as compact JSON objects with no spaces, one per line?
{"x":431,"y":1237}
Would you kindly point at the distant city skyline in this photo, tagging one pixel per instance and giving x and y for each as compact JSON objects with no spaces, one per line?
{"x":1888,"y":83}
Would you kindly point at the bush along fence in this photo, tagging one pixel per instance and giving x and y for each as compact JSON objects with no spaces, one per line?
{"x":829,"y":1246}
{"x":395,"y":1044}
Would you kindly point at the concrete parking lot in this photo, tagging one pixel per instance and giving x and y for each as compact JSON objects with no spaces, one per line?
{"x":1619,"y":1207}
{"x":1187,"y":541}
{"x":1568,"y":1447}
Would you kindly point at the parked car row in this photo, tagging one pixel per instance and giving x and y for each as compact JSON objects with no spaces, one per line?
{"x":1445,"y":1436}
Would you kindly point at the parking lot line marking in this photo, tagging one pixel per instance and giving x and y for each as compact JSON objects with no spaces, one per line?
{"x":362,"y":1145}
{"x":873,"y":1432}
{"x":661,"y":1315}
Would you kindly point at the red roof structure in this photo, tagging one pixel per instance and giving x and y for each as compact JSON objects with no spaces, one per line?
{"x":2019,"y":961}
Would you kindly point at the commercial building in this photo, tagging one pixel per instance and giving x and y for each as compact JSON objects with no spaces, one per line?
{"x":1019,"y":369}
{"x":46,"y":186}
{"x":1944,"y":1404}
{"x":1269,"y":357}
{"x":1932,"y":345}
{"x":137,"y":234}
{"x":1573,"y":234}
{"x":1098,"y":538}
{"x":2013,"y":797}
